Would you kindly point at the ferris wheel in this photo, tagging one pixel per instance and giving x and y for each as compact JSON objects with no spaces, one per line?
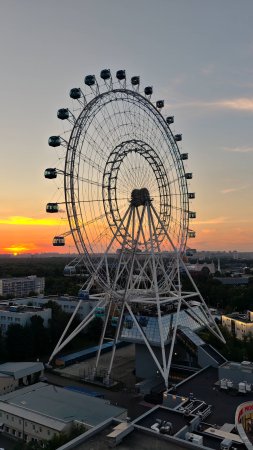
{"x":128,"y":208}
{"x":120,"y":143}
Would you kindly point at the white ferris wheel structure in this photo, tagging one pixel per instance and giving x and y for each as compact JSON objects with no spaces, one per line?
{"x":128,"y":208}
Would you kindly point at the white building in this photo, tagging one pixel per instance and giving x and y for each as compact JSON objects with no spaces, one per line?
{"x":240,"y":325}
{"x":21,"y":286}
{"x":14,"y":374}
{"x":66,"y":302}
{"x":41,"y":411}
{"x":18,"y":314}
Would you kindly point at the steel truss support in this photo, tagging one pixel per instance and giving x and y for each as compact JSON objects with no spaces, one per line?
{"x":143,"y":288}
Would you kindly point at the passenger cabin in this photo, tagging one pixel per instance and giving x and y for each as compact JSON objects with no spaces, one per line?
{"x":178,"y":137}
{"x":58,"y":241}
{"x":100,"y":312}
{"x":50,"y":174}
{"x":192,"y":215}
{"x":105,"y":74}
{"x":160,"y":104}
{"x":121,"y":75}
{"x":54,"y":141}
{"x":63,"y":113}
{"x":191,"y":234}
{"x":90,"y":80}
{"x":114,"y":321}
{"x":52,"y":208}
{"x":191,"y":195}
{"x":68,"y":271}
{"x":135,"y":81}
{"x":170,"y":120}
{"x":184,"y":156}
{"x":148,"y":90}
{"x":75,"y":93}
{"x":188,"y":176}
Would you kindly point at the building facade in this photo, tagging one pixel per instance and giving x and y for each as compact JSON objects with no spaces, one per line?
{"x":66,"y":302}
{"x":239,"y":325}
{"x":21,"y":286}
{"x":21,"y":315}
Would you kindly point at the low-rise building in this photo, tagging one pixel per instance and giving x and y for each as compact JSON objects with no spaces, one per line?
{"x":40,"y":412}
{"x":20,"y":314}
{"x":21,"y":286}
{"x":66,"y":302}
{"x":240,"y":325}
{"x":15,"y":374}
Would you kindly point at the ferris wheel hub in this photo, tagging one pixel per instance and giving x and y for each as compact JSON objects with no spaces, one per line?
{"x":140,"y":197}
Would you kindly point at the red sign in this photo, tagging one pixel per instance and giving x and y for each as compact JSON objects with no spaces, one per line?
{"x":245,"y":409}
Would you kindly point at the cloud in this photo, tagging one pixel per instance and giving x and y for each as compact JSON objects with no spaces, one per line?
{"x":20,"y":220}
{"x":214,"y":221}
{"x":229,"y":190}
{"x":242,"y":149}
{"x":236,"y":104}
{"x":208,"y":69}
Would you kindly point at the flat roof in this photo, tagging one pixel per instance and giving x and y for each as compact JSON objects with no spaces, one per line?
{"x":20,"y":369}
{"x":175,"y":417}
{"x":61,"y":404}
{"x":203,"y":387}
{"x":137,"y":439}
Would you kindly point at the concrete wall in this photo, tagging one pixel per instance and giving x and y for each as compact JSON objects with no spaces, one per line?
{"x":26,"y":429}
{"x":204,"y":359}
{"x":236,"y":374}
{"x":144,"y":364}
{"x":7,"y":384}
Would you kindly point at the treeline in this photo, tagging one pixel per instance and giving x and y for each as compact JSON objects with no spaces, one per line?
{"x":51,"y":268}
{"x":234,"y":349}
{"x":225,"y":297}
{"x":34,"y":340}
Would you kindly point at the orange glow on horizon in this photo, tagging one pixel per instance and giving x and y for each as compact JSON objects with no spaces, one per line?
{"x":34,"y":235}
{"x":29,"y":221}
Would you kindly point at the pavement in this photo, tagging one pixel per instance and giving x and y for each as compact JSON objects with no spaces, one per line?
{"x":123,"y":366}
{"x":7,"y":443}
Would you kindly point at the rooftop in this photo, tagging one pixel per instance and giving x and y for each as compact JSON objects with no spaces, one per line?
{"x":59,"y":404}
{"x":20,"y":369}
{"x":137,"y":439}
{"x":203,"y":387}
{"x":20,"y":308}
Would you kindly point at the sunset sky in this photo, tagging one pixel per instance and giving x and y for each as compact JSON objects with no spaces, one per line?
{"x":197,"y":55}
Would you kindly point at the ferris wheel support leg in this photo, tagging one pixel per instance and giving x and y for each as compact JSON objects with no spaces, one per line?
{"x":103,"y":335}
{"x":156,"y":289}
{"x":123,"y":307}
{"x":176,"y":322}
{"x":64,"y":332}
{"x":146,"y":342}
{"x":116,"y":340}
{"x":218,"y":333}
{"x":126,"y":289}
{"x":77,"y":330}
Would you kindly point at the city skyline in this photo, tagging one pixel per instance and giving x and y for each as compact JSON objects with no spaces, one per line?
{"x":198,"y":57}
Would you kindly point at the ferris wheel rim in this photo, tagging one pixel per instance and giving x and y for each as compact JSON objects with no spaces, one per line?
{"x":72,"y":149}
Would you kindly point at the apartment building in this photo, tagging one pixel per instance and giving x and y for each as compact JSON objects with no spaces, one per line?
{"x":22,"y":286}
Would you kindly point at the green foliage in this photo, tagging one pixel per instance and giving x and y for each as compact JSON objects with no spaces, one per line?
{"x":234,"y":349}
